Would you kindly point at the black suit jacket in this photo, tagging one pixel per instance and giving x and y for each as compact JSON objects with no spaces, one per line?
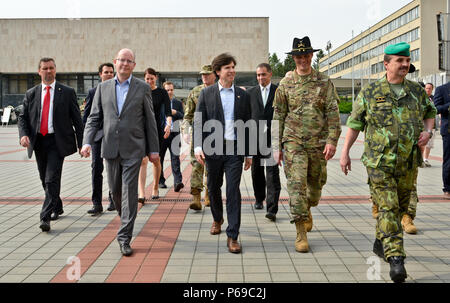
{"x":178,"y":106}
{"x":67,"y":122}
{"x":209,"y":108}
{"x":263,"y":116}
{"x":442,"y":102}
{"x":88,"y":106}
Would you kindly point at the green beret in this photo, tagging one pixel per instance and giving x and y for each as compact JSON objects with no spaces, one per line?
{"x":399,"y":49}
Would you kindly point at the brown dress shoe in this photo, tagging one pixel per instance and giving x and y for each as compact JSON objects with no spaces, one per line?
{"x":215,"y":228}
{"x":447,"y":195}
{"x":233,"y":246}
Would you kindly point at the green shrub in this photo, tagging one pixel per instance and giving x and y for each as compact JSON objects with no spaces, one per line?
{"x":345,"y":107}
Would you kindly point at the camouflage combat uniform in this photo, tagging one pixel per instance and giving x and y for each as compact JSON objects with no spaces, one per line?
{"x":307,"y":113}
{"x":197,"y":168}
{"x":391,"y":155}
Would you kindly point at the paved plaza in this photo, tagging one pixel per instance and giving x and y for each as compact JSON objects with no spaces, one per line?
{"x":172,"y":243}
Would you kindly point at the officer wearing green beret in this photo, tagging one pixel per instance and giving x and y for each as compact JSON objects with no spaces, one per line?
{"x":208,"y":79}
{"x":305,"y":131}
{"x":392,"y":112}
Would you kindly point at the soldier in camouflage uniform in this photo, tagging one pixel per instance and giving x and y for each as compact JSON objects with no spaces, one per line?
{"x":391,"y":111}
{"x":306,"y":135}
{"x":208,"y":78}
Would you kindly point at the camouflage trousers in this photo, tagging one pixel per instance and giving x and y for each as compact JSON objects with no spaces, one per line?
{"x":392,"y":195}
{"x":197,"y":175}
{"x":414,"y":199}
{"x":306,"y":174}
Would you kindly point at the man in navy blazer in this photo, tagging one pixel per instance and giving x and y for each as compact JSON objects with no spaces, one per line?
{"x":105,"y":72}
{"x":442,"y":103}
{"x":222,"y":145}
{"x":50,"y":125}
{"x":173,"y":142}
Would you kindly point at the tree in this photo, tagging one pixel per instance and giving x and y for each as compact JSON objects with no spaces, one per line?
{"x":319,"y":56}
{"x":276,"y":65}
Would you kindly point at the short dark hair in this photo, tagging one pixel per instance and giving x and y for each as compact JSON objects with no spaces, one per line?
{"x":266,"y":65}
{"x":100,"y":68}
{"x":222,"y":60}
{"x":46,"y":59}
{"x":430,"y":84}
{"x":150,"y":71}
{"x":387,"y":58}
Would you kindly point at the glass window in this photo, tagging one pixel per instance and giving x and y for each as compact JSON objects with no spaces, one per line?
{"x":177,"y":82}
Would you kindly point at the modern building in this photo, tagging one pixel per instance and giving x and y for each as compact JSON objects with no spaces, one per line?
{"x":174,"y":47}
{"x":362,"y":56}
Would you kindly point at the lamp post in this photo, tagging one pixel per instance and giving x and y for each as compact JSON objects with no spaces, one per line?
{"x":329,"y":46}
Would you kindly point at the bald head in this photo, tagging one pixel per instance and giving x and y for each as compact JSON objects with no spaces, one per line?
{"x":124,"y":63}
{"x":125,"y":50}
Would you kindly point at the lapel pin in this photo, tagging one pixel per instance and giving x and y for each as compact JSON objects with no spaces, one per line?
{"x":239,"y":97}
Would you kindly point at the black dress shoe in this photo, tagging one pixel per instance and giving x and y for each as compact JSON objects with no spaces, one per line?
{"x":111,"y":207}
{"x":126,"y":250}
{"x":55,"y":215}
{"x":258,"y":205}
{"x":398,"y":271}
{"x":95,"y":210}
{"x":162,"y":185}
{"x":45,"y":225}
{"x":272,"y":217}
{"x":178,"y":187}
{"x":378,"y":248}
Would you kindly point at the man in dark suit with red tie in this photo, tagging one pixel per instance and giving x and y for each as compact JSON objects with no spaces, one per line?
{"x":261,"y":99}
{"x":50,"y":125}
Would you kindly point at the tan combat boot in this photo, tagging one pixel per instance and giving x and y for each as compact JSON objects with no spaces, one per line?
{"x":408,"y":225}
{"x":301,"y":243}
{"x":207,"y":201}
{"x":309,"y":222}
{"x":196,"y":204}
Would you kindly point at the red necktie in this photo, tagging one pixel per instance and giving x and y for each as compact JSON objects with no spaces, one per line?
{"x":45,"y":111}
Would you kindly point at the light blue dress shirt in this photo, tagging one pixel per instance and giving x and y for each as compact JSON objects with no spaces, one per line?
{"x":121,"y":92}
{"x":227,"y":99}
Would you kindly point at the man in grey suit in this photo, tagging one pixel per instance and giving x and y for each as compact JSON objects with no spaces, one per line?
{"x":124,"y":106}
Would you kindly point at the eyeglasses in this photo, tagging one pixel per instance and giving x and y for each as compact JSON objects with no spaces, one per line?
{"x":125,"y":61}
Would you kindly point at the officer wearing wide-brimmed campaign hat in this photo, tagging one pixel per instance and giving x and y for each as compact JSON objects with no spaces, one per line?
{"x":305,"y":107}
{"x":392,"y":111}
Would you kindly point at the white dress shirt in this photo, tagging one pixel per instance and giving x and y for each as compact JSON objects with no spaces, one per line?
{"x":50,"y":110}
{"x":267,"y":93}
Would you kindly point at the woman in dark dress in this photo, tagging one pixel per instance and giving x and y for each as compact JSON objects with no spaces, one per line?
{"x":159,"y":97}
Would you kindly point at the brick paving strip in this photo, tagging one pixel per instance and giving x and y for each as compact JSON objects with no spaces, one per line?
{"x":152,"y":247}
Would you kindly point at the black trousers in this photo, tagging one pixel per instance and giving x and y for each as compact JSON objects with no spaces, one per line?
{"x":446,"y":164}
{"x":174,"y":157}
{"x":50,"y":164}
{"x":97,"y":173}
{"x":271,"y":181}
{"x":231,"y":165}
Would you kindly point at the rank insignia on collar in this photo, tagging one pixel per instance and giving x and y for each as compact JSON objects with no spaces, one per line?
{"x":381,"y":99}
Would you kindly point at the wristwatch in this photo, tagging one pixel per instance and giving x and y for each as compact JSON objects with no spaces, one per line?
{"x":430,"y":132}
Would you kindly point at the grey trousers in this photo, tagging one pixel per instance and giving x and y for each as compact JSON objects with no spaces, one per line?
{"x":123,"y":177}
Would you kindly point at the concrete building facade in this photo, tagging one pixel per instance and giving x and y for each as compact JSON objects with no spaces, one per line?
{"x":415,"y":23}
{"x":174,"y":47}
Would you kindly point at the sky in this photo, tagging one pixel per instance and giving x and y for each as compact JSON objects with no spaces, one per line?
{"x":321,"y":20}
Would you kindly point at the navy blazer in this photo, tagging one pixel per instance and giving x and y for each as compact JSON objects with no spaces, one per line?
{"x":209,"y":107}
{"x":442,"y":103}
{"x":88,"y":106}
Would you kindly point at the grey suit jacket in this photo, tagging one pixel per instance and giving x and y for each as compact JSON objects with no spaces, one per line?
{"x":133,"y":133}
